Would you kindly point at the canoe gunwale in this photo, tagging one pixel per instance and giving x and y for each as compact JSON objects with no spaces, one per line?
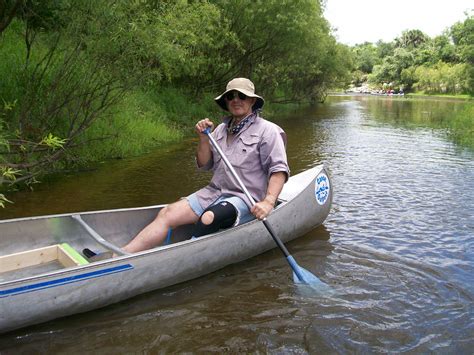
{"x":157,"y":250}
{"x":124,"y":258}
{"x":155,"y":268}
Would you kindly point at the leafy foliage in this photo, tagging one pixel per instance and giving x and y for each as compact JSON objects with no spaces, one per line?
{"x":3,"y":200}
{"x":444,"y":64}
{"x":68,"y":67}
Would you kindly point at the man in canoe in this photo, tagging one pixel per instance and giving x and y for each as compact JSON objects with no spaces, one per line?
{"x":256,"y":149}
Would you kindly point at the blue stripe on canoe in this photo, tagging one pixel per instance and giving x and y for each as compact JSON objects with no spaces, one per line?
{"x":64,"y":281}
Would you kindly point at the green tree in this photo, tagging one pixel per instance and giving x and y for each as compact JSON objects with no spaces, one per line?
{"x":284,"y":46}
{"x":442,"y":78}
{"x":390,"y":71}
{"x":462,"y":34}
{"x":384,"y":49}
{"x":66,"y":64}
{"x":8,"y":11}
{"x":365,"y":57}
{"x":411,"y":39}
{"x":59,"y":90}
{"x":444,"y":50}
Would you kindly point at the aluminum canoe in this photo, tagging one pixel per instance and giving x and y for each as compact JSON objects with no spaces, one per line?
{"x":43,"y":275}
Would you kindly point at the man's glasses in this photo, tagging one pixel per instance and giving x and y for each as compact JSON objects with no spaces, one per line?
{"x":233,"y":94}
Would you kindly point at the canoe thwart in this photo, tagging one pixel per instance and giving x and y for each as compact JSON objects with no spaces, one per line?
{"x":98,"y":237}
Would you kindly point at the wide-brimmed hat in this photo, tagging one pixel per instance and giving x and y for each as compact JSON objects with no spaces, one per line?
{"x":246,"y":87}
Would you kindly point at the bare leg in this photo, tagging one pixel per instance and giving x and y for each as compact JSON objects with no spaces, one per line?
{"x":207,"y":217}
{"x":154,"y":234}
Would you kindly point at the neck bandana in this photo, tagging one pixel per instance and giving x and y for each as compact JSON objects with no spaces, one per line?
{"x":238,"y":127}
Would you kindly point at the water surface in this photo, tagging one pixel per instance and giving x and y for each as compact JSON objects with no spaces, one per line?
{"x":397,"y":247}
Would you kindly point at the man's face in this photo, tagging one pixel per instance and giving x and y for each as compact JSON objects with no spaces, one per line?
{"x":238,"y":104}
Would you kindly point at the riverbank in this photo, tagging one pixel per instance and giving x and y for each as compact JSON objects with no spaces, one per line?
{"x":423,"y":95}
{"x":142,"y":121}
{"x":413,"y":95}
{"x":146,"y":120}
{"x":103,"y":84}
{"x":459,"y":126}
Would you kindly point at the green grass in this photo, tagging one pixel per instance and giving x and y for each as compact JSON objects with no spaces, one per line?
{"x":185,"y":109}
{"x":144,"y":120}
{"x":461,"y":127}
{"x":12,"y":54}
{"x":441,"y":96}
{"x":135,"y":126}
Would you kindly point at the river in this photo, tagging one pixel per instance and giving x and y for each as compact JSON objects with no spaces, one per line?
{"x":397,"y":247}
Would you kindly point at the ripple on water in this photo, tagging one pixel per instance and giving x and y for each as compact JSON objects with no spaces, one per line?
{"x":397,"y":250}
{"x":387,"y":303}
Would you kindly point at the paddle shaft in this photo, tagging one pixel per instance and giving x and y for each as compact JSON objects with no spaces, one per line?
{"x":246,"y":192}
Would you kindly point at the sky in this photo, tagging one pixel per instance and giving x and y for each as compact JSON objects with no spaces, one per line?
{"x":358,"y":21}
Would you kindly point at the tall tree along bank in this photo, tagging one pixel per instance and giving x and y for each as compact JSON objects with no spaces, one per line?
{"x":88,"y":80}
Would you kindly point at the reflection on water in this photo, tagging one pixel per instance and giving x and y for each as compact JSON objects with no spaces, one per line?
{"x":153,"y":179}
{"x":397,"y":248}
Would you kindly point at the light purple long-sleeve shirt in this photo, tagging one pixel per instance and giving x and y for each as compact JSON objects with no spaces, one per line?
{"x":256,"y":152}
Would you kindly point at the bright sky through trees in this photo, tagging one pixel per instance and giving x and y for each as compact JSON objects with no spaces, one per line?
{"x":358,"y":21}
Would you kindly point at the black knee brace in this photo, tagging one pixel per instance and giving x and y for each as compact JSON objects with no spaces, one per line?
{"x":225,"y":215}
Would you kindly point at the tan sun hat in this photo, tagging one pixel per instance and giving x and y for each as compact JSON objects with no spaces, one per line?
{"x":246,"y":87}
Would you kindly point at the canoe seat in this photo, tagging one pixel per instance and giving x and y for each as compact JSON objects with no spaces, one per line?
{"x":63,"y":253}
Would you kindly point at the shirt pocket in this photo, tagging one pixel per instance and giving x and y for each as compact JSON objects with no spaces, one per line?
{"x":246,"y":155}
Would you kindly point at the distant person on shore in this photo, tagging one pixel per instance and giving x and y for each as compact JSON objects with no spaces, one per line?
{"x":256,"y":149}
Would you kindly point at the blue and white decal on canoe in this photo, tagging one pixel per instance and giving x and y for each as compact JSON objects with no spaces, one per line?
{"x":322,"y":188}
{"x":64,"y":281}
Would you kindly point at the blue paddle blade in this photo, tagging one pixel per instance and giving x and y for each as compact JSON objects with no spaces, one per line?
{"x":303,"y":276}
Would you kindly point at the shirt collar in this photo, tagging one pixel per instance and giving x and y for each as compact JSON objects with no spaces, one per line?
{"x":253,"y":117}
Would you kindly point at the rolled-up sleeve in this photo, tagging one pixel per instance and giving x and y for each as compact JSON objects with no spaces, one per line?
{"x":217,"y":134}
{"x":273,"y":151}
{"x":206,"y":167}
